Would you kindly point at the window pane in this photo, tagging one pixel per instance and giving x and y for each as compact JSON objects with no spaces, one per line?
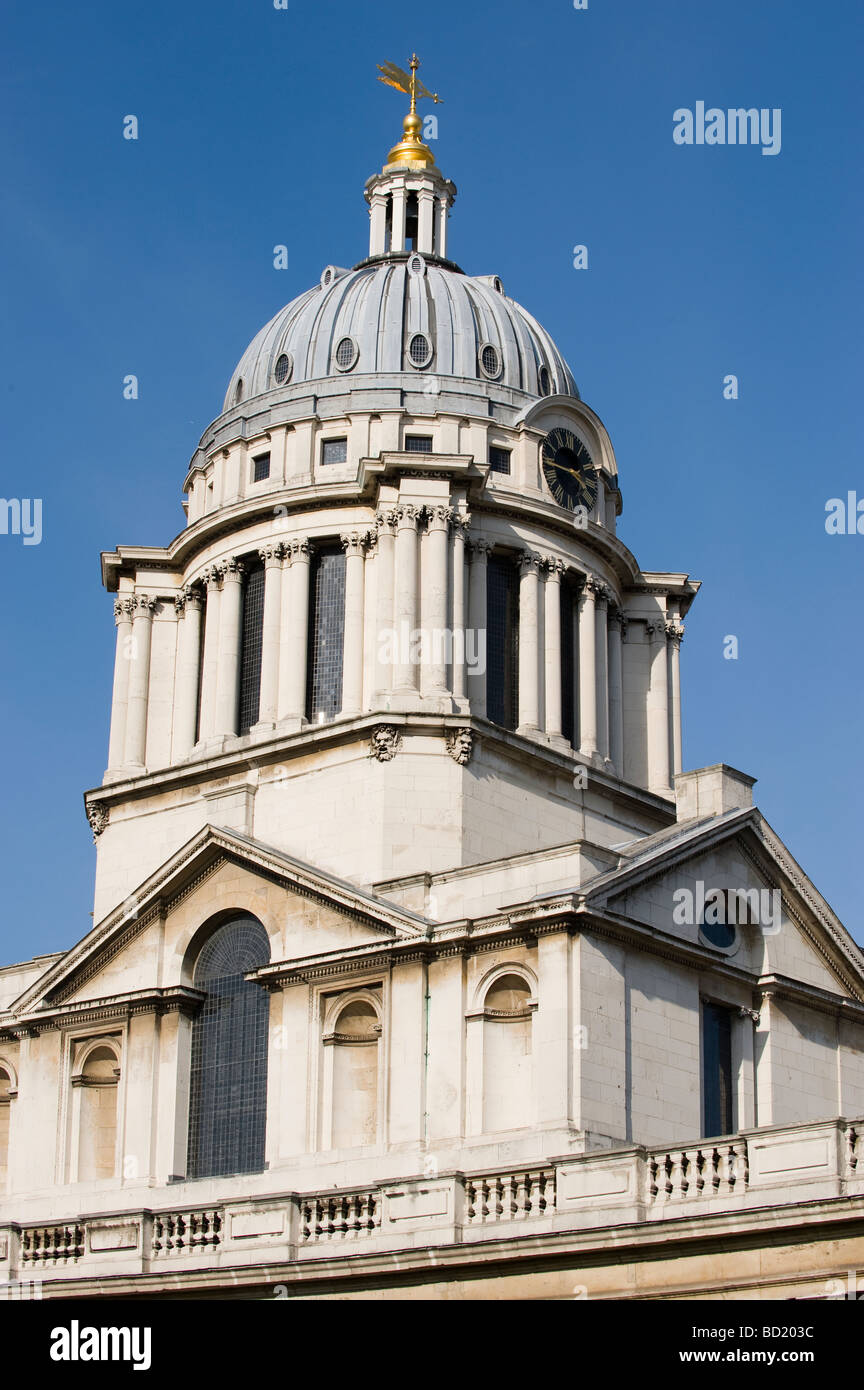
{"x":261,"y":468}
{"x":335,"y":451}
{"x":499,"y":459}
{"x":326,"y":633}
{"x":228,"y":1079}
{"x":502,"y":636}
{"x":250,"y":650}
{"x":717,"y":1069}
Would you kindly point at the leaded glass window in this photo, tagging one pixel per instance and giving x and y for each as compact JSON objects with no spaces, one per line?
{"x":502,"y":636}
{"x":260,"y":468}
{"x":499,"y":459}
{"x":250,"y":647}
{"x":326,"y":634}
{"x":418,"y":444}
{"x":228,"y":1081}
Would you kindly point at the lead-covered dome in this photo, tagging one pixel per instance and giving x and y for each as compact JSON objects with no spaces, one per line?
{"x":403,"y":314}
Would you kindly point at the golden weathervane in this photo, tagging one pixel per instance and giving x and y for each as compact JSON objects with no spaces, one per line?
{"x":410,"y":150}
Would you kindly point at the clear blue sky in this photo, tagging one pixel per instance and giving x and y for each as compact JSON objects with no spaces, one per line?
{"x":260,"y":126}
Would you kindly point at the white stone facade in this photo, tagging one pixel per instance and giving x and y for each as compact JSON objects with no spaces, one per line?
{"x":485,"y":1014}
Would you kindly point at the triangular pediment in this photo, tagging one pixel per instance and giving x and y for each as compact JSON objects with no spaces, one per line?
{"x":143,"y":946}
{"x":788,"y":930}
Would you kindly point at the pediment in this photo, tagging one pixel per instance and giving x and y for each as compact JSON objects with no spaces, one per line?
{"x":144,"y":946}
{"x":789,"y":929}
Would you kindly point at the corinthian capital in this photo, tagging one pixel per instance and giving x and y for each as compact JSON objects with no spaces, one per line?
{"x":271,"y":555}
{"x":529,"y":562}
{"x":353,"y":542}
{"x":408,"y":515}
{"x":675,"y":631}
{"x":479,"y":549}
{"x":439,"y":518}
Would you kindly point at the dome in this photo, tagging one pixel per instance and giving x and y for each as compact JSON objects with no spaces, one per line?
{"x":408,"y":315}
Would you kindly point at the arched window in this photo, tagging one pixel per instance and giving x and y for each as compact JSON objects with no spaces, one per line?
{"x":326,"y":633}
{"x":507,"y":1055}
{"x":354,"y":1075}
{"x":502,"y":636}
{"x":250,"y":646}
{"x":97,"y":1113}
{"x":6,"y":1088}
{"x":228,"y":1080}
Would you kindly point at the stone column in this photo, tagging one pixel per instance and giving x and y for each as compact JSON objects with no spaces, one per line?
{"x":552,"y":645}
{"x":397,"y":242}
{"x":210,"y":659}
{"x":123,"y":610}
{"x":295,"y":636}
{"x":675,"y":634}
{"x":406,"y":673}
{"x":228,"y":663}
{"x":268,"y":700}
{"x":616,"y":691}
{"x":587,"y":670}
{"x":384,"y":635}
{"x":658,"y":709}
{"x":135,"y":741}
{"x":435,"y":602}
{"x":601,"y":607}
{"x":352,"y":663}
{"x":460,"y":652}
{"x":425,"y":220}
{"x":189,"y":605}
{"x":529,"y":642}
{"x":378,"y":225}
{"x":479,"y":552}
{"x":442,"y":227}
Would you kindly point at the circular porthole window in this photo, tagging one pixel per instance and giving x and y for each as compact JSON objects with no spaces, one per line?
{"x":347,"y":353}
{"x":416,"y":265}
{"x":419,"y":351}
{"x":490,"y":362}
{"x":544,"y":381}
{"x":282,"y":371}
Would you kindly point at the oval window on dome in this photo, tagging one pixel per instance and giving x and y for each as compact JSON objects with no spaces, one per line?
{"x":346,"y":354}
{"x":416,"y":265}
{"x":490,"y":361}
{"x":419,"y":351}
{"x":282,"y":372}
{"x":545,"y":382}
{"x":238,"y":390}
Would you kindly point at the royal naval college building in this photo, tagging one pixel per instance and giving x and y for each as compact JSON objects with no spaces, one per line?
{"x":419,"y":965}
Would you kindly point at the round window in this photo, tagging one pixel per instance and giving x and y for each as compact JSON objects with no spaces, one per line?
{"x":238,"y":390}
{"x":346,"y":354}
{"x":419,"y":350}
{"x":282,"y":372}
{"x":416,"y":265}
{"x":489,"y":360}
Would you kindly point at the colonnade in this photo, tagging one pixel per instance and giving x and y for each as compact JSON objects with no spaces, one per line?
{"x":415,"y":628}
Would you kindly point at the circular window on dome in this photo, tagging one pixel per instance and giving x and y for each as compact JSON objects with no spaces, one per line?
{"x":419,"y":351}
{"x":416,"y":265}
{"x":490,"y":362}
{"x":544,"y":381}
{"x":282,"y":372}
{"x":347,"y":353}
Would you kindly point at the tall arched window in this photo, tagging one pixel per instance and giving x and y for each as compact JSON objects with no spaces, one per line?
{"x":354,"y":1086}
{"x":228,"y":1080}
{"x":250,"y":645}
{"x":97,"y":1113}
{"x":508,"y":1090}
{"x":502,"y":652}
{"x":6,"y":1087}
{"x":326,"y":633}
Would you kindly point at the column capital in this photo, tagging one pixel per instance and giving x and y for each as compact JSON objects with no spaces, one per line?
{"x":211,"y":577}
{"x":354,"y":542}
{"x":529,"y":562}
{"x":656,"y":630}
{"x":123,"y":610}
{"x":554,"y":568}
{"x":479,"y":550}
{"x":232,"y":569}
{"x":461,"y":524}
{"x":271,"y":555}
{"x":408,"y":516}
{"x":386,"y":520}
{"x":675,"y":632}
{"x":143,"y":606}
{"x":439,"y":518}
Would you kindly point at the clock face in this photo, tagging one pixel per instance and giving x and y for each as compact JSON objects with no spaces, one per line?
{"x":568,"y":470}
